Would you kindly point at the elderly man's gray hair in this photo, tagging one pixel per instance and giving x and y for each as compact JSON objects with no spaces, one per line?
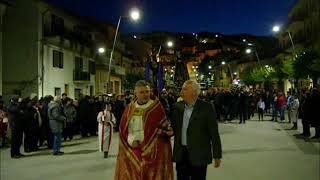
{"x":141,"y":83}
{"x":195,"y":85}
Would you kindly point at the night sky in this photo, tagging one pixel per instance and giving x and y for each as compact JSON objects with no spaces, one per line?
{"x":225,"y":16}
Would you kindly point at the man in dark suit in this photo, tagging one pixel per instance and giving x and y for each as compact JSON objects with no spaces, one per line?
{"x":196,"y":135}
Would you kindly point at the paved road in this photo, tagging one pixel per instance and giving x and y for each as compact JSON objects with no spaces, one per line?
{"x":254,"y":151}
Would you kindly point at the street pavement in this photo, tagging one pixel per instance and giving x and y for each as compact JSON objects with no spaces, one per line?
{"x":252,"y":151}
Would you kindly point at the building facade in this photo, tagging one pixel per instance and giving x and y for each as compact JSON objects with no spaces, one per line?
{"x":303,"y":24}
{"x":49,"y":51}
{"x":3,"y":6}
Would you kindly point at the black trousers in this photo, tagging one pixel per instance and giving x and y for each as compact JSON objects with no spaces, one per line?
{"x":243,"y":115}
{"x":68,"y":131}
{"x":260,"y":112}
{"x":16,"y":140}
{"x":186,"y":171}
{"x":306,"y":127}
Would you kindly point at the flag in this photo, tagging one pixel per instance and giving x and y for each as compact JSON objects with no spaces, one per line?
{"x":160,"y":77}
{"x":147,"y":73}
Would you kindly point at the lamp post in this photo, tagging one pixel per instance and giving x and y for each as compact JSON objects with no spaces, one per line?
{"x":160,"y":81}
{"x":248,"y":51}
{"x":277,"y":28}
{"x":135,"y":15}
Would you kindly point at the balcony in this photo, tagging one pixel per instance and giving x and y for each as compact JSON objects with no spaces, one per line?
{"x":118,"y":70}
{"x":79,"y":76}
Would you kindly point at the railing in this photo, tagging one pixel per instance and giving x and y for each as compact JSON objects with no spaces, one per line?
{"x":118,"y":70}
{"x":81,"y":76}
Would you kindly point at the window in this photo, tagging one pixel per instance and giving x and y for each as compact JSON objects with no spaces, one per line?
{"x":57,"y":59}
{"x":66,"y":88}
{"x":78,"y":64}
{"x":92,"y":67}
{"x":77,"y":93}
{"x":57,"y":24}
{"x":91,"y":90}
{"x":57,"y":91}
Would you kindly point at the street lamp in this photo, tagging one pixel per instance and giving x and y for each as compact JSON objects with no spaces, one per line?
{"x":101,"y":50}
{"x":277,"y":28}
{"x":223,"y":62}
{"x":135,"y":15}
{"x":248,"y":51}
{"x":169,"y":44}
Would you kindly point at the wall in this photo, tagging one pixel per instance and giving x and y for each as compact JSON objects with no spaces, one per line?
{"x":21,"y":48}
{"x":2,"y":11}
{"x":58,"y":78}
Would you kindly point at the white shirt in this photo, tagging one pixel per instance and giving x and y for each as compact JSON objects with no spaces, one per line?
{"x":261,"y":105}
{"x":136,"y":123}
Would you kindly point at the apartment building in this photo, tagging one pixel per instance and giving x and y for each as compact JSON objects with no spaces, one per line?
{"x":49,"y":51}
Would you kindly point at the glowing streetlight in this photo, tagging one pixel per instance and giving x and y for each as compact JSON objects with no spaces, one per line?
{"x":169,"y":43}
{"x":135,"y":14}
{"x":276,"y":28}
{"x":248,"y":51}
{"x":209,"y":66}
{"x":244,"y":40}
{"x":101,"y":50}
{"x":223,"y":62}
{"x":266,"y":66}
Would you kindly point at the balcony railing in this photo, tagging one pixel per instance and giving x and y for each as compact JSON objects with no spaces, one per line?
{"x":118,"y":70}
{"x":81,"y":76}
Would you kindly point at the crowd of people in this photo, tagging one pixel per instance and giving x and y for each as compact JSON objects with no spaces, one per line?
{"x":35,"y":122}
{"x":146,"y":119}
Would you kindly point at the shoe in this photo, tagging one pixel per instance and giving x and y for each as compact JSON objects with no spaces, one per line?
{"x":15,"y":157}
{"x":313,"y":139}
{"x":105,"y":155}
{"x":58,"y":153}
{"x":21,"y":155}
{"x":302,"y":136}
{"x":293,"y":128}
{"x":27,"y":150}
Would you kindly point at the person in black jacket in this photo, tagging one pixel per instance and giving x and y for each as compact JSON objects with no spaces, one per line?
{"x":15,"y":123}
{"x":31,"y":126}
{"x":196,"y":136}
{"x":118,"y":109}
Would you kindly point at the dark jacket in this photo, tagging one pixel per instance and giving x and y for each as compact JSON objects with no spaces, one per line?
{"x":15,"y":115}
{"x":203,"y":137}
{"x":56,"y":118}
